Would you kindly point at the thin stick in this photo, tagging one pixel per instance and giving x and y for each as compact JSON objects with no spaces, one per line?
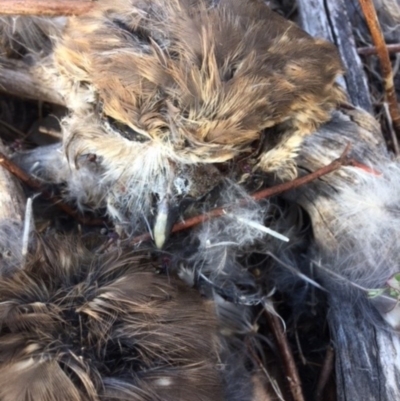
{"x":326,"y":371}
{"x":291,"y":372}
{"x":395,"y":142}
{"x":370,"y":50}
{"x":263,"y":194}
{"x":19,"y":173}
{"x":383,"y":54}
{"x":37,"y":186}
{"x":49,"y":8}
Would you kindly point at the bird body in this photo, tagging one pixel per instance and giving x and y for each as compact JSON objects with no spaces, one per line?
{"x":76,"y":325}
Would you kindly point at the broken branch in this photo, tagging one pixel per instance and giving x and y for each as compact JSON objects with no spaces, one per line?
{"x":370,"y":50}
{"x":48,"y":8}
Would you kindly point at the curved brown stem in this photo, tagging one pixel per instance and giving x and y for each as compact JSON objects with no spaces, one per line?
{"x":383,"y":54}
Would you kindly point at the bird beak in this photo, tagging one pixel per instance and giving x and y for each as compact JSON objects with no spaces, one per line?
{"x":163,"y":222}
{"x":169,"y":209}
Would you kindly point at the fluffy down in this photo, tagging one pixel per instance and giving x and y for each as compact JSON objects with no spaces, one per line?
{"x":367,"y":228}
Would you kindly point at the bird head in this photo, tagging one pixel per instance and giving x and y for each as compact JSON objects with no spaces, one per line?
{"x":163,"y":92}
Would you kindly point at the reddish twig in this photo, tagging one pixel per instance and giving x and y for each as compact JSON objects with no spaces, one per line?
{"x":49,"y":8}
{"x":326,"y":371}
{"x":19,"y":173}
{"x":383,"y":54}
{"x":370,"y":50}
{"x":263,"y":194}
{"x":35,"y":184}
{"x":289,"y":364}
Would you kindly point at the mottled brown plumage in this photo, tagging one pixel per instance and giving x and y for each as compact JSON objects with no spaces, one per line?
{"x":158,"y":88}
{"x":199,"y":81}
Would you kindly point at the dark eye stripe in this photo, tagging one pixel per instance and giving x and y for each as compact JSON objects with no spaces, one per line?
{"x":125,"y":131}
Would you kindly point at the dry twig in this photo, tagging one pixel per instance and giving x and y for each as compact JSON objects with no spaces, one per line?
{"x":35,"y":184}
{"x":383,"y":54}
{"x":370,"y":50}
{"x":50,"y":8}
{"x":392,"y":132}
{"x":19,"y":173}
{"x":263,"y":194}
{"x":326,"y":371}
{"x":291,"y":372}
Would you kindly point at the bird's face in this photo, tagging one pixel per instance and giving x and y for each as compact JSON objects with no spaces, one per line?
{"x":158,"y":88}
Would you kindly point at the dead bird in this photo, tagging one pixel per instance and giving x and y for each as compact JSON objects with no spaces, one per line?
{"x":160,"y":92}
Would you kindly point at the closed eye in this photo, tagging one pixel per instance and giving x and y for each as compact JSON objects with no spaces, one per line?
{"x":125,"y":131}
